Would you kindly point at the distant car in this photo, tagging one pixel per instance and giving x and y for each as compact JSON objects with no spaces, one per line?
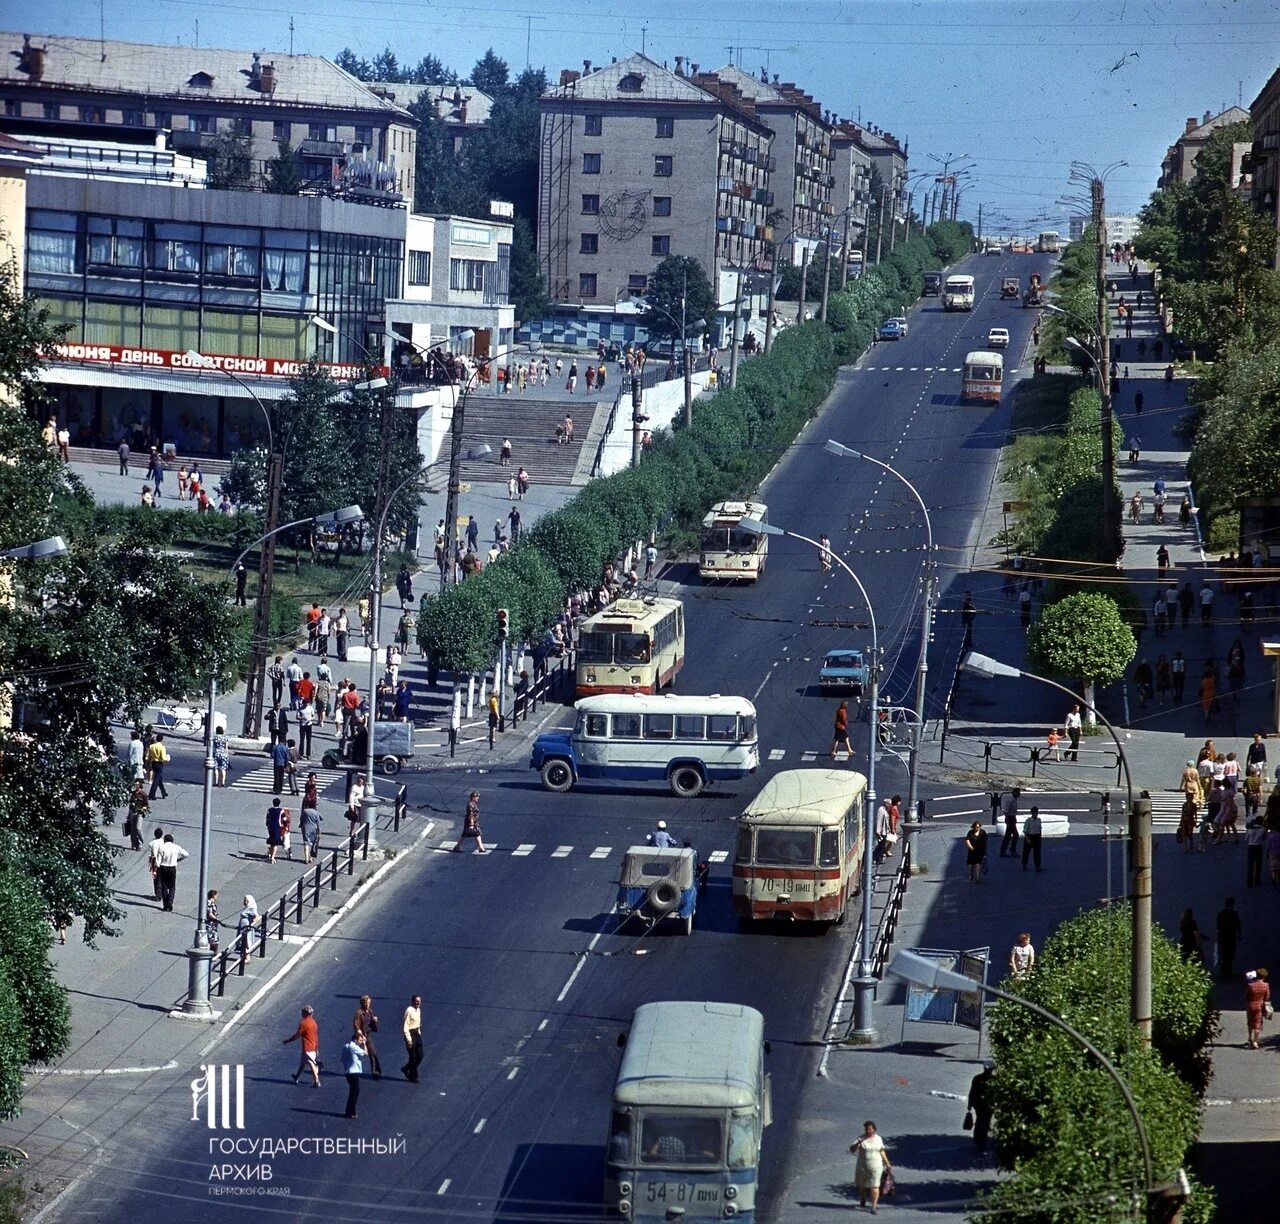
{"x":843,"y":671}
{"x":992,"y":248}
{"x":901,"y":321}
{"x":998,"y":337}
{"x":891,"y":330}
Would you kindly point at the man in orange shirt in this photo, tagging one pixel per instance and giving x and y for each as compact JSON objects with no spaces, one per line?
{"x":350,"y":703}
{"x":309,"y":1035}
{"x":313,"y":625}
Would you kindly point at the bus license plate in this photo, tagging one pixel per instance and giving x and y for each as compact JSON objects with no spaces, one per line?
{"x":689,"y":1193}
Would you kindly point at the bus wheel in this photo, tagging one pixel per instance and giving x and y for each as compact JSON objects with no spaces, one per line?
{"x":557,"y":776}
{"x":686,"y":781}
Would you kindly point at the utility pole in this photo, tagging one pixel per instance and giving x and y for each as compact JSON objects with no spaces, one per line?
{"x":684,"y":351}
{"x":1140,"y":905}
{"x":1109,"y":510}
{"x":844,"y":252}
{"x":880,"y":226}
{"x":826,"y":276}
{"x":733,"y":335}
{"x":637,"y":419}
{"x":773,"y":284}
{"x":804,"y":283}
{"x":893,"y":216}
{"x":256,"y":676}
{"x":979,"y":224}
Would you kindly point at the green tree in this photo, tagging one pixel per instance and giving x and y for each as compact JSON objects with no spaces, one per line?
{"x":282,"y":177}
{"x":349,"y":61}
{"x":385,"y":67}
{"x":528,"y":285}
{"x":431,"y":71}
{"x":1085,"y":637}
{"x":230,"y":162}
{"x":677,"y":279}
{"x":491,"y":74}
{"x":26,"y":334}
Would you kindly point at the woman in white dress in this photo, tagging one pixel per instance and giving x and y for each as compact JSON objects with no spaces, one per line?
{"x":872,"y":1162}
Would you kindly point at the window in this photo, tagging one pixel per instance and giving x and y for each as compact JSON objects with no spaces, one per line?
{"x":133,"y":118}
{"x":661,"y":244}
{"x":690,"y":727}
{"x":594,"y":124}
{"x":829,"y":851}
{"x":681,"y":1139}
{"x":590,"y":205}
{"x":419,"y":267}
{"x":174,"y":248}
{"x":594,"y":646}
{"x":597,"y":726}
{"x":242,"y":125}
{"x":626,"y":726}
{"x":92,"y":114}
{"x":785,"y":847}
{"x":662,"y":167}
{"x":52,"y":110}
{"x":232,"y":252}
{"x":51,"y":242}
{"x":280,"y":130}
{"x":633,"y":82}
{"x":666,"y":128}
{"x":662,"y":206}
{"x":659,"y":726}
{"x":637,"y":282}
{"x":467,"y":275}
{"x":320,"y":131}
{"x":722,"y":727}
{"x":162,"y":119}
{"x":364,"y":135}
{"x":284,"y":263}
{"x":202,"y":123}
{"x":586,"y":284}
{"x":12,"y":109}
{"x":631,"y":648}
{"x":591,"y":163}
{"x":590,"y":244}
{"x":115,"y":242}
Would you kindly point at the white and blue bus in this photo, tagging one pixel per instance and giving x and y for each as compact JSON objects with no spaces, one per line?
{"x":686,"y":742}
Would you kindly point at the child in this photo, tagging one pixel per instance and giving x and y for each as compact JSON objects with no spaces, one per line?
{"x":1053,"y":739}
{"x":286,"y":831}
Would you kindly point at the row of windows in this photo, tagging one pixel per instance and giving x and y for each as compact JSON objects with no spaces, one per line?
{"x":724,"y":727}
{"x":281,"y":129}
{"x":593,"y":163}
{"x":660,"y":244}
{"x":664,"y":126}
{"x":637,"y":283}
{"x":591,"y":206}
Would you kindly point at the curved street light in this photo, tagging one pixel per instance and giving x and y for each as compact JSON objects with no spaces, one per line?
{"x":865,"y":983}
{"x":38,"y":550}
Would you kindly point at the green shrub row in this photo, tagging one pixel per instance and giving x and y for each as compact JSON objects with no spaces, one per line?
{"x":1061,"y":1124}
{"x":734,"y":440}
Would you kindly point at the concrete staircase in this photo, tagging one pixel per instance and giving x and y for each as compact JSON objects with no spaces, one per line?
{"x":530,"y":422}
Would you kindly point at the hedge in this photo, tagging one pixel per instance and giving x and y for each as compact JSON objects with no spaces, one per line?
{"x":734,"y":440}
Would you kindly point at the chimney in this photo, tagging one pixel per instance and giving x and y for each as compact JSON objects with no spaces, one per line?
{"x":695,"y":69}
{"x":567,"y":76}
{"x":586,"y":67}
{"x":1191,"y":125}
{"x":267,"y":79}
{"x":613,"y":60}
{"x":1207,"y":117}
{"x":680,"y":65}
{"x":776,"y":78}
{"x":31,"y":59}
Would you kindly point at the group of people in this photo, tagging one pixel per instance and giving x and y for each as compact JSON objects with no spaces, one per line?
{"x":1030,"y":835}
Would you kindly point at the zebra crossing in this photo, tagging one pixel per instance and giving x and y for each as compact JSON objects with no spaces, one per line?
{"x":261,"y":780}
{"x":529,"y":849}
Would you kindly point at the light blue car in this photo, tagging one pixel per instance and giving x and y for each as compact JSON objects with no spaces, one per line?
{"x":843,"y":671}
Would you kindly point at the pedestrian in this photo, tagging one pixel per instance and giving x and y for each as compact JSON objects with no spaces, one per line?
{"x":1144,"y":680}
{"x":293,"y":677}
{"x":511,"y":488}
{"x":1236,"y":669}
{"x":353,"y":1054}
{"x":1228,"y":929}
{"x":1022,"y":956}
{"x":136,"y":814}
{"x":1255,"y":837}
{"x":411,"y":1027}
{"x":572,"y":384}
{"x":365,"y":1024}
{"x":1178,"y":675}
{"x":1032,"y":832}
{"x":1206,"y":606}
{"x":1135,"y":448}
{"x":153,"y":864}
{"x":1009,"y":811}
{"x":211,"y":920}
{"x":1257,"y":1004}
{"x":471,"y":825}
{"x":313,"y":625}
{"x":324,"y":626}
{"x":279,"y":765}
{"x":1186,"y":834}
{"x":1074,"y":726}
{"x":275,"y":834}
{"x":881,"y":829}
{"x":1137,"y":403}
{"x":840,"y":733}
{"x":1162,"y":562}
{"x":123,"y":451}
{"x":1162,"y":679}
{"x":522,"y":483}
{"x":310,"y":819}
{"x":275,"y":673}
{"x":975,"y":844}
{"x":1189,"y":939}
{"x":1208,"y":693}
{"x":245,"y":923}
{"x":167,"y":858}
{"x":515,"y":520}
{"x":871,"y":1165}
{"x":308,"y":1034}
{"x":505,"y":457}
{"x":977,"y":1117}
{"x":1024,"y":606}
{"x":355,"y":801}
{"x":342,"y":633}
{"x":157,"y":758}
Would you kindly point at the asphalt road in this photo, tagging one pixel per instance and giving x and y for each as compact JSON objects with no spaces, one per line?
{"x":525,"y":983}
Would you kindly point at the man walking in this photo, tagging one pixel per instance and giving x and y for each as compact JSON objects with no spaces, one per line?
{"x":1032,"y":831}
{"x":841,"y":731}
{"x":342,"y":631}
{"x":153,"y":849}
{"x":308,"y":1033}
{"x":157,"y":758}
{"x":279,"y":764}
{"x":242,"y":579}
{"x":1229,"y":932}
{"x":412,"y":1029}
{"x":323,"y":626}
{"x":1178,"y":674}
{"x":1009,"y":810}
{"x":979,"y":1105}
{"x":1186,"y":601}
{"x":1206,"y":606}
{"x":167,"y":858}
{"x":1073,"y":725}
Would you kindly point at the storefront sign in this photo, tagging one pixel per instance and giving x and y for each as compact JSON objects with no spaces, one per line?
{"x":476,"y":235}
{"x":163,"y":359}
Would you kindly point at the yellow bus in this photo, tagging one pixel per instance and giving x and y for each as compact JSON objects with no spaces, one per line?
{"x":982,"y":377}
{"x":632,"y":646}
{"x":726,"y":551}
{"x":800,"y":846}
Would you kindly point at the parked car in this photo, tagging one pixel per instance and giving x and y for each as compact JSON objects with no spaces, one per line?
{"x":890,"y":331}
{"x":998,"y":337}
{"x":992,"y":248}
{"x":843,"y":671}
{"x":657,"y":883}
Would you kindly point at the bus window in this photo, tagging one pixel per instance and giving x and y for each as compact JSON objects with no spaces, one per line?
{"x":722,"y":726}
{"x":595,"y":647}
{"x":743,"y":853}
{"x":690,"y":727}
{"x":626,"y":726}
{"x":830,"y":854}
{"x":743,"y":541}
{"x":659,"y":726}
{"x":713,"y":539}
{"x":743,"y":1147}
{"x":631,"y":648}
{"x":784,"y":847}
{"x":680,"y":1139}
{"x":597,"y":726}
{"x":620,"y":1138}
{"x":746,"y":726}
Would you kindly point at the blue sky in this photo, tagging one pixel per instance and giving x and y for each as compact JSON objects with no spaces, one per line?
{"x":1022,"y":87}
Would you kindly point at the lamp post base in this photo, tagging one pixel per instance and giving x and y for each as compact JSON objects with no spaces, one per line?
{"x":196,"y":1005}
{"x":863,"y":1031}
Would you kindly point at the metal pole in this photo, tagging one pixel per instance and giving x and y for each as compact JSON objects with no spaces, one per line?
{"x":804,"y":283}
{"x":844,"y":252}
{"x":773,"y":283}
{"x":637,"y":424}
{"x":197,"y":1003}
{"x":880,"y":224}
{"x":826,"y":277}
{"x":684,"y":351}
{"x":256,"y":676}
{"x":733,"y":337}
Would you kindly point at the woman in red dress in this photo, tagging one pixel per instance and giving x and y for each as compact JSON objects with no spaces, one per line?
{"x":1257,"y":999}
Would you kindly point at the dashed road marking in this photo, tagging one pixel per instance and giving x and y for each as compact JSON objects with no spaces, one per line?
{"x":717,"y":856}
{"x":479,"y":1127}
{"x":522,"y":849}
{"x":513,"y":1073}
{"x":808,"y":756}
{"x":562,"y":852}
{"x":776,"y":754}
{"x":601,"y":852}
{"x":444,"y":1185}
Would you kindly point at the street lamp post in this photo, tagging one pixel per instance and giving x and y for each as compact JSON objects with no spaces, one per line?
{"x":196,"y":1006}
{"x":912,"y":825}
{"x":1139,"y":842}
{"x":865,"y":983}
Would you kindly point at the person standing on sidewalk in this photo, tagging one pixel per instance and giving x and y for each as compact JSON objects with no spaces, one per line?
{"x":152,"y":862}
{"x":1178,"y":674}
{"x":1032,"y":832}
{"x":167,"y":858}
{"x":123,"y":451}
{"x":411,"y":1027}
{"x":279,"y":764}
{"x":1009,"y":811}
{"x":242,"y":581}
{"x":275,"y":829}
{"x":1186,"y":601}
{"x":1229,"y":931}
{"x":365,"y":1024}
{"x":1257,"y":1004}
{"x":275,"y":673}
{"x":1255,"y":838}
{"x":975,"y":844}
{"x":871,"y":1165}
{"x":1074,"y":726}
{"x":978,"y":1116}
{"x":306,"y":724}
{"x":138,"y":811}
{"x":353,"y":1054}
{"x":342,"y":633}
{"x":1206,"y":606}
{"x":1022,"y":956}
{"x":308,"y":1034}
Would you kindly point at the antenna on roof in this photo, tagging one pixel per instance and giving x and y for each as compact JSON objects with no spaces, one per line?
{"x":644,"y":30}
{"x":290,"y":35}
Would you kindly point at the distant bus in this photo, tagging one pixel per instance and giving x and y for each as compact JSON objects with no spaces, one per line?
{"x":982,"y":376}
{"x":632,"y":646}
{"x":688,"y":742}
{"x":957,"y":293}
{"x":1049,"y":242}
{"x":726,"y":550}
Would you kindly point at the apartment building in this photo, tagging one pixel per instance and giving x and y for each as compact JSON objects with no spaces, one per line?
{"x":804,"y":181}
{"x":1263,"y":161}
{"x":346,"y":139}
{"x":1179,"y":164}
{"x":463,"y":109}
{"x":889,"y":159}
{"x":851,"y":165}
{"x":638,"y":162}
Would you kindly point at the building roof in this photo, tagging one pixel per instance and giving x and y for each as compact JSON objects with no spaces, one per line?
{"x":160,"y":71}
{"x":1205,"y":128}
{"x":775,"y":93}
{"x":450,"y":100}
{"x":12,"y":149}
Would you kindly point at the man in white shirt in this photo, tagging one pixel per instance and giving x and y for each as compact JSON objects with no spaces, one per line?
{"x":1073,"y":725}
{"x":156,"y":842}
{"x":166,"y":858}
{"x":412,"y":1028}
{"x":1206,"y":605}
{"x":293,"y":673}
{"x":136,"y":770}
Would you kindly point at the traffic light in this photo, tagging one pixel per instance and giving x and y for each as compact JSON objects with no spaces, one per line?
{"x":504,"y":624}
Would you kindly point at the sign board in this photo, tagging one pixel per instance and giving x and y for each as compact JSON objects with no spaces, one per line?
{"x":474,"y":235}
{"x":1016,"y":507}
{"x":165,"y":359}
{"x":936,"y":1006}
{"x":973,"y":964}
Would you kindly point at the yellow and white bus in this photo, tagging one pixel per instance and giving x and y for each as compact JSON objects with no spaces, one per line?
{"x":958,"y":293}
{"x":725,"y":549}
{"x":632,"y":646}
{"x":800,"y":846}
{"x":1049,"y":242}
{"x":982,"y":377}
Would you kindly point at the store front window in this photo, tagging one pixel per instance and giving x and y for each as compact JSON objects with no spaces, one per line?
{"x":190,"y":422}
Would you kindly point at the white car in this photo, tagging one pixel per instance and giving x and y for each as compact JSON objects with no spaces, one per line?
{"x":998,"y":337}
{"x":901,"y":321}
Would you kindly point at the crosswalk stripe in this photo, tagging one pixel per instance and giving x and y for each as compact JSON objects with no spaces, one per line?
{"x":601,"y":852}
{"x":776,"y":754}
{"x":261,"y":780}
{"x":522,"y":849}
{"x":808,"y":756}
{"x":562,"y":852}
{"x":717,"y":856}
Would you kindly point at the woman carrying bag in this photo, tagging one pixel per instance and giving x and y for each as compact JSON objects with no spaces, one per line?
{"x":873,"y":1171}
